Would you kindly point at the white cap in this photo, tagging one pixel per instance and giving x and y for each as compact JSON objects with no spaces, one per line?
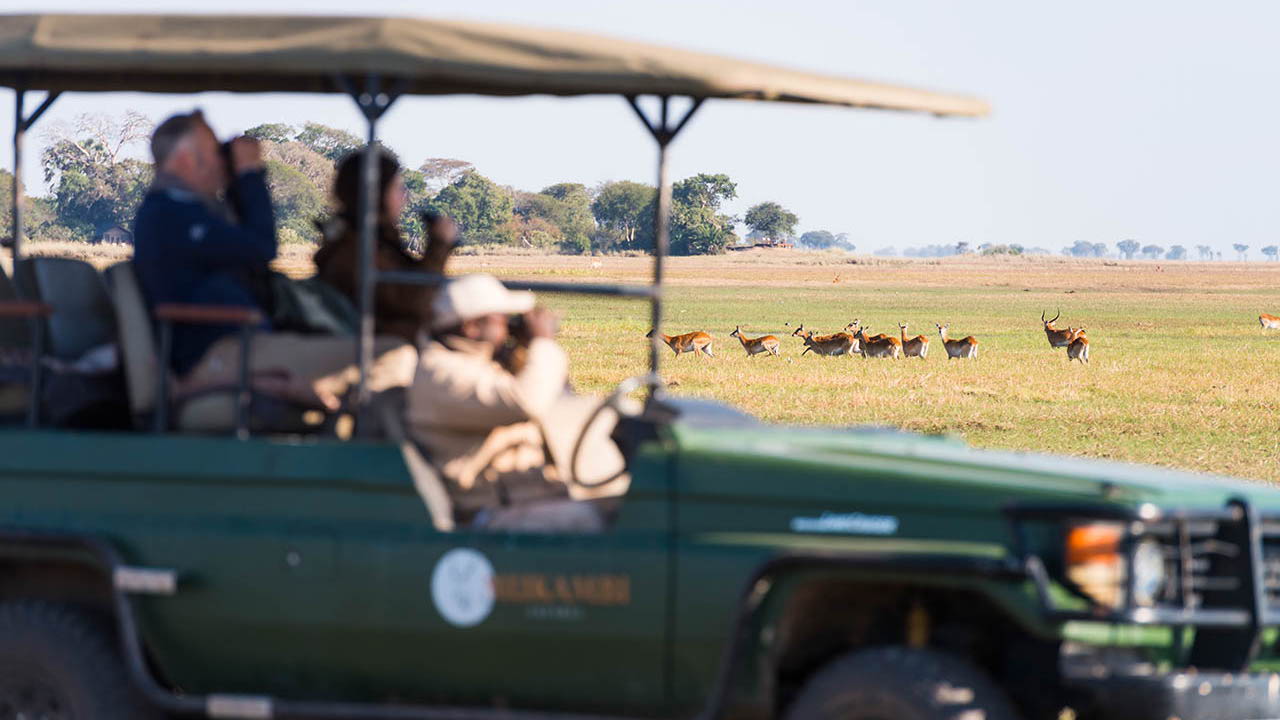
{"x":473,"y":296}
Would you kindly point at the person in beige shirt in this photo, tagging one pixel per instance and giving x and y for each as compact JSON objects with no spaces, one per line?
{"x":502,"y":439}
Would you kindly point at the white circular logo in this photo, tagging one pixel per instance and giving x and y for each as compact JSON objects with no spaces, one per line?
{"x":462,"y":587}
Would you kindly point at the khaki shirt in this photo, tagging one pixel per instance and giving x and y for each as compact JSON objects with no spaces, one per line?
{"x":483,"y":426}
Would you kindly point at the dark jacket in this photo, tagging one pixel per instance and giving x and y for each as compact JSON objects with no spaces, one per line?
{"x":188,"y":251}
{"x":399,"y":310}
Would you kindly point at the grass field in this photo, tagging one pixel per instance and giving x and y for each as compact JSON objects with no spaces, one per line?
{"x":1181,"y":374}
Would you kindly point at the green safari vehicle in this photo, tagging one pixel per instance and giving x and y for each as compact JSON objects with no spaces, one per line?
{"x":752,"y":571}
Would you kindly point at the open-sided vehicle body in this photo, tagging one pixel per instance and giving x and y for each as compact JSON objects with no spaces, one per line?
{"x":752,"y":571}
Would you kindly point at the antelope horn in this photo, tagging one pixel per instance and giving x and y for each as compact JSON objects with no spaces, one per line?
{"x":1042,"y":316}
{"x":1055,"y":317}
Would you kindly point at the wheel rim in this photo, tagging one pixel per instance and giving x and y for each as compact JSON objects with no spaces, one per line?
{"x":25,"y":697}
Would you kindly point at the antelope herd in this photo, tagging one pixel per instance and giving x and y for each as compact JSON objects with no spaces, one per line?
{"x":855,"y":340}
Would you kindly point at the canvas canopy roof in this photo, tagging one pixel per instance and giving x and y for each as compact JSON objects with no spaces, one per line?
{"x":191,"y":53}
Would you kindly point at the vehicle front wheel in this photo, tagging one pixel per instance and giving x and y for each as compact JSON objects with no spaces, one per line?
{"x":896,"y":683}
{"x":58,"y":663}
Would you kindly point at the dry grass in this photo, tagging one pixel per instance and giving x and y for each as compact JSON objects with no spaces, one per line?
{"x":1181,"y":373}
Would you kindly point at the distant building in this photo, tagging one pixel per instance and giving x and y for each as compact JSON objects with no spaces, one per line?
{"x":116,"y":234}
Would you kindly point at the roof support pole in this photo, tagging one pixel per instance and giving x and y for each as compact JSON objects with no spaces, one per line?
{"x":19,"y":132}
{"x":663,"y":133}
{"x":374,"y":103}
{"x":21,"y":124}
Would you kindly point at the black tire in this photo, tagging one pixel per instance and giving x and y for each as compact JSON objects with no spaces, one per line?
{"x":897,"y":683}
{"x":57,"y":662}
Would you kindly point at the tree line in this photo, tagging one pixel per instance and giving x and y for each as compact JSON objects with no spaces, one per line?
{"x":94,"y":185}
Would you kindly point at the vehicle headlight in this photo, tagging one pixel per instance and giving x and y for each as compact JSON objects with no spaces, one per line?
{"x":1095,"y":563}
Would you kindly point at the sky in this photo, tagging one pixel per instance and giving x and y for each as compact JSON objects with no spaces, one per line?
{"x":1152,"y":120}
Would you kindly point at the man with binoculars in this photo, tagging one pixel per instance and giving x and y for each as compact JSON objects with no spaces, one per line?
{"x":192,"y":247}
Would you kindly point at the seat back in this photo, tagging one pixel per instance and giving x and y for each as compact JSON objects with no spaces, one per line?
{"x":14,"y":332}
{"x":136,"y":337}
{"x":82,"y":318}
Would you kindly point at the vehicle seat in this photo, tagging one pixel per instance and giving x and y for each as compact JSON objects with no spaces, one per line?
{"x":15,"y":355}
{"x":82,"y":322}
{"x":209,"y":410}
{"x":84,"y":388}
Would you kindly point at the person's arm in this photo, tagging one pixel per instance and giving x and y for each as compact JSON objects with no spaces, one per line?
{"x":470,"y":394}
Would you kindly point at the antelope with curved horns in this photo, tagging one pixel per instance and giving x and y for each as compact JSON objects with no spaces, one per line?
{"x":878,"y":345}
{"x":966,"y":347}
{"x":1057,"y":338}
{"x":835,"y":344}
{"x":917,"y":346}
{"x":853,"y":327}
{"x":1269,"y":322}
{"x":755,"y":346}
{"x":693,"y":342}
{"x":1079,"y":347}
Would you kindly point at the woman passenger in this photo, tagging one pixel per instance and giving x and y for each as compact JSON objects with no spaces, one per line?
{"x":399,"y":310}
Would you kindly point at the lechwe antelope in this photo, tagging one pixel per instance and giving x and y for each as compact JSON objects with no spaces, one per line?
{"x":693,"y":342}
{"x":756,"y":346}
{"x":835,"y":344}
{"x":1269,"y":322}
{"x":1079,"y":347}
{"x":917,"y":346}
{"x":963,"y":348}
{"x":1057,"y":338}
{"x":853,"y":327}
{"x":878,"y":345}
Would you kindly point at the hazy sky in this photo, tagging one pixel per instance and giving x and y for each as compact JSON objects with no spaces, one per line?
{"x":1152,"y":120}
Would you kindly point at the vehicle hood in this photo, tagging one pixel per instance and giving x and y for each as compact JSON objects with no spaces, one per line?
{"x":773,"y":477}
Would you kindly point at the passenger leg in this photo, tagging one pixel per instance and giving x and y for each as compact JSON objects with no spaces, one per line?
{"x":312,"y":370}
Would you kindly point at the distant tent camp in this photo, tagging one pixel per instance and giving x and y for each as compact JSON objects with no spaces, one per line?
{"x":116,"y":234}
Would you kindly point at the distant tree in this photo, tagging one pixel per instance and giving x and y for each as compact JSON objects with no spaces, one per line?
{"x":567,"y":207}
{"x":1099,"y":249}
{"x":330,"y":142}
{"x":439,"y":173}
{"x":273,"y":132}
{"x":697,"y":226}
{"x":297,"y":201}
{"x":1176,"y":252}
{"x":1017,"y":249}
{"x":1038,"y":251}
{"x":1127,"y":248}
{"x":888,"y":251}
{"x":1270,"y":251}
{"x":1152,"y":252}
{"x":1242,"y":251}
{"x":989,"y":249}
{"x":93,"y":185}
{"x":771,"y":220}
{"x":824,"y":240}
{"x":962,"y":247}
{"x":624,"y":212}
{"x":1084,"y":249}
{"x":1206,"y":252}
{"x":477,"y":204}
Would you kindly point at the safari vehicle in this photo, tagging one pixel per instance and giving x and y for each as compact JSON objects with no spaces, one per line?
{"x":753,"y":571}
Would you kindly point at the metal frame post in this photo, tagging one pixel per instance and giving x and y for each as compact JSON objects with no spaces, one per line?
{"x":19,"y":99}
{"x":663,"y":134}
{"x":374,"y":103}
{"x":21,"y":124}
